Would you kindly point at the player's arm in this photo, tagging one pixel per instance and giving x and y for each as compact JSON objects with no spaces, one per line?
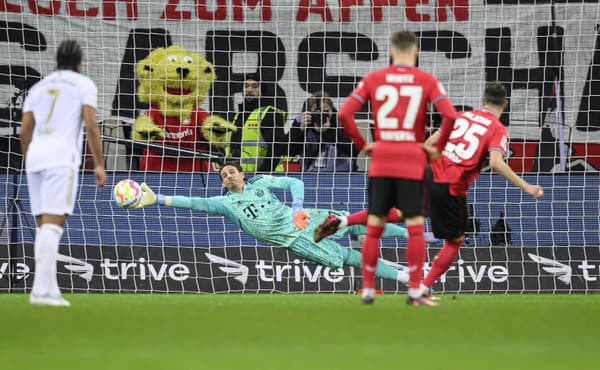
{"x":353,"y":104}
{"x":448,"y":112}
{"x":293,"y":185}
{"x":433,"y":139}
{"x":27,"y":125}
{"x":498,"y":164}
{"x":296,"y":187}
{"x":94,"y":142}
{"x":207,"y":205}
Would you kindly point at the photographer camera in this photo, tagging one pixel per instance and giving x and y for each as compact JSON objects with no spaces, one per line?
{"x":324,"y":145}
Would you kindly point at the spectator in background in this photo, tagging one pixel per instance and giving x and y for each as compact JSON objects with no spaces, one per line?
{"x":325,"y":147}
{"x":260,"y":141}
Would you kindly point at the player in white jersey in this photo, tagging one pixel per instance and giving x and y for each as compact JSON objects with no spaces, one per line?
{"x":54,"y":114}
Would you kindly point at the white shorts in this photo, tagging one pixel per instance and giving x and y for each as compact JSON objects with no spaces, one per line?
{"x":53,"y":191}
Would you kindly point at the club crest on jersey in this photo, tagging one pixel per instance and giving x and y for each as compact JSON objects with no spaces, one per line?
{"x":259,"y":193}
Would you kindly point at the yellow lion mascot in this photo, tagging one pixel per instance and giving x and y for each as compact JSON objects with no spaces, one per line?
{"x":174,"y":82}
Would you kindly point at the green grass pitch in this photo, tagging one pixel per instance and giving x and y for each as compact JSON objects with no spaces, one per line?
{"x":110,"y":331}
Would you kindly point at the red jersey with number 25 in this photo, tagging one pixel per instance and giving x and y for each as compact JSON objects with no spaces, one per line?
{"x":399,"y":95}
{"x":474,"y":135}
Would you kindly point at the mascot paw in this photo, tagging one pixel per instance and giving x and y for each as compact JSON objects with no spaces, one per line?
{"x":144,"y":129}
{"x":216,"y":129}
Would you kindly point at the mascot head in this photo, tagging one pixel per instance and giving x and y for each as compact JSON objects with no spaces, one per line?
{"x":174,"y":79}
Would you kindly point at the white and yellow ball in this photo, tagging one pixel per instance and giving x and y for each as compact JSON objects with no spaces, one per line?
{"x":127,"y":193}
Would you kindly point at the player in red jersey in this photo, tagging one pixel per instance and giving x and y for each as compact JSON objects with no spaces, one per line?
{"x":398,"y":96}
{"x":476,"y":134}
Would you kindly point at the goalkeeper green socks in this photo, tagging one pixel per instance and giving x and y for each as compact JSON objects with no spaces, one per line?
{"x":390,"y":231}
{"x":394,"y":231}
{"x":384,"y":271}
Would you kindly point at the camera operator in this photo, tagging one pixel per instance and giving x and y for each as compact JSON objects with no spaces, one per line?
{"x":325,"y":146}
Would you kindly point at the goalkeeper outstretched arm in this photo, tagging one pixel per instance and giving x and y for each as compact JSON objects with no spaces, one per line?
{"x":207,"y":205}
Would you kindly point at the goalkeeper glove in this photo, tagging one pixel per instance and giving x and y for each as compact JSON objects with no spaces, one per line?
{"x":300,"y":218}
{"x":148,"y":197}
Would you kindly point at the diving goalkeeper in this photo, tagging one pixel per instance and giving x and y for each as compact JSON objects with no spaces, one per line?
{"x":254,"y":208}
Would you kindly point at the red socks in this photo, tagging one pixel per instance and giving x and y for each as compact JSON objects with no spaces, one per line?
{"x":360,"y":217}
{"x":415,"y":255}
{"x":442,"y":261}
{"x":370,"y":254}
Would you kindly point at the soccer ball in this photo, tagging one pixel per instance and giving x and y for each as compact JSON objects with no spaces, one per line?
{"x":127,"y":193}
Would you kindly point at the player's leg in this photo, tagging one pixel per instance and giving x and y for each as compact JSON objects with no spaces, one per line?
{"x":354,"y":223}
{"x":381,"y":190}
{"x":55,"y":191}
{"x":389,"y":231}
{"x":383,"y":270}
{"x":448,"y":219}
{"x":410,"y":200}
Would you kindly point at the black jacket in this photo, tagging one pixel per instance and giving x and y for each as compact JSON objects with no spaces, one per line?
{"x":311,"y":142}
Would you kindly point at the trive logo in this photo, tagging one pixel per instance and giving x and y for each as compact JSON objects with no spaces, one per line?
{"x":477,"y":272}
{"x":274,"y":272}
{"x":21,"y":270}
{"x":144,"y":270}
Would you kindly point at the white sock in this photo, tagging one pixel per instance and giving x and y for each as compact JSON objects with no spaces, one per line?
{"x":37,"y":286}
{"x":402,"y":277}
{"x":46,"y":248}
{"x":343,"y":221}
{"x":368,"y":293}
{"x":415,"y":293}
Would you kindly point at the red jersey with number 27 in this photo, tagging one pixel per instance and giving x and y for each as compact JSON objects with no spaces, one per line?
{"x":399,"y":95}
{"x":474,"y":135}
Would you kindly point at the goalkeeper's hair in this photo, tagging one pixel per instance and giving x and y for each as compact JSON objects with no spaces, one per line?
{"x":236,"y":165}
{"x":494,"y":93}
{"x":403,"y":40}
{"x":69,"y":55}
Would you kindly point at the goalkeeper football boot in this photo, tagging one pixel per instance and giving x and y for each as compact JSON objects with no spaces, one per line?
{"x":328,"y":227}
{"x":47,"y":300}
{"x":421,"y":301}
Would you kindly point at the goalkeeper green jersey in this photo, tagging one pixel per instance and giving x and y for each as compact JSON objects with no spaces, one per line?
{"x":257,"y":210}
